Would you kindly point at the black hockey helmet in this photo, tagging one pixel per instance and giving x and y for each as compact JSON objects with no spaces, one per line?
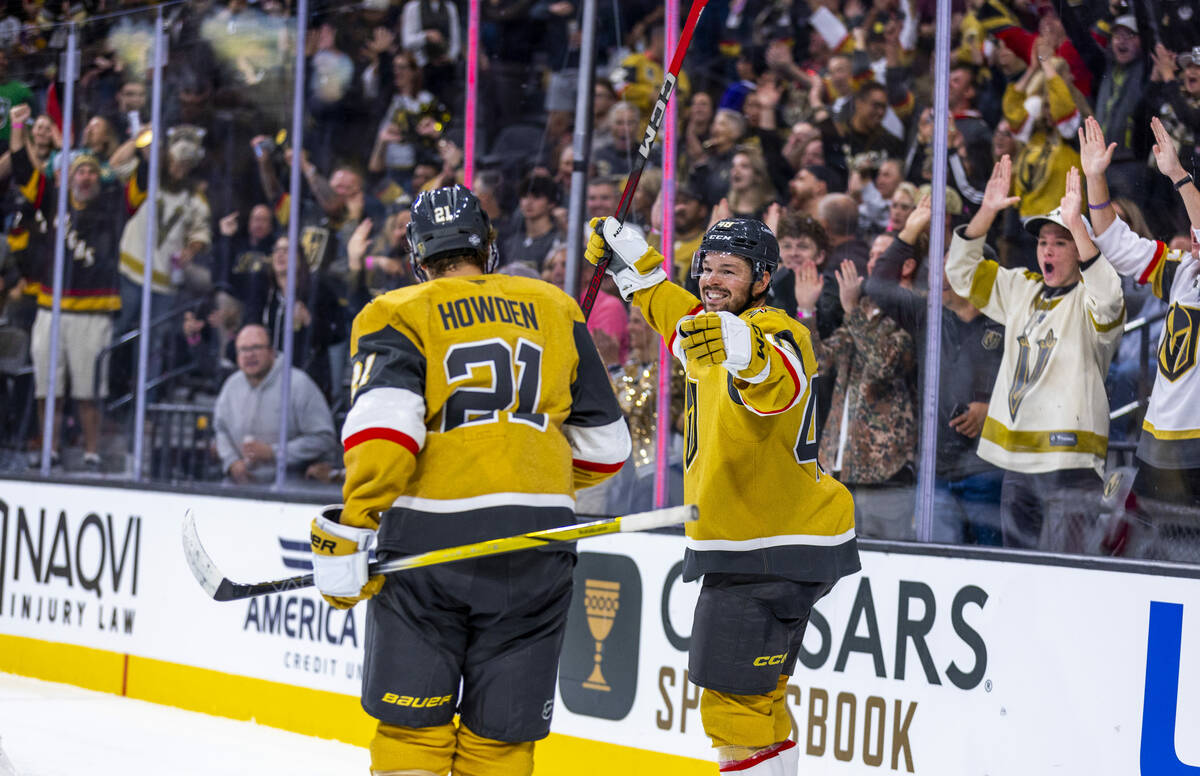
{"x":450,"y":221}
{"x":748,"y":238}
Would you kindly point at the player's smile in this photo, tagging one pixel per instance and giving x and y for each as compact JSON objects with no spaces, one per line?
{"x":714,"y":295}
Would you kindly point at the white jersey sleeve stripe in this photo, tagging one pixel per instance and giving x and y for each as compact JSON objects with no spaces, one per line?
{"x":486,"y":501}
{"x":393,"y":409}
{"x":599,"y":447}
{"x":732,"y":545}
{"x":1129,"y":253}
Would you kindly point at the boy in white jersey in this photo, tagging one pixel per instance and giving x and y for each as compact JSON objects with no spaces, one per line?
{"x":1169,"y":448}
{"x":1047,"y":422}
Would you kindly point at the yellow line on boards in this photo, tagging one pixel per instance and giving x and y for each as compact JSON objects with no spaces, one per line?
{"x":92,"y":669}
{"x":298,"y":709}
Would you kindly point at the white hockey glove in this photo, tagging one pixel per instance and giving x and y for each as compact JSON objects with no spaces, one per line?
{"x":339,"y":558}
{"x":723,"y":338}
{"x":635,"y":265}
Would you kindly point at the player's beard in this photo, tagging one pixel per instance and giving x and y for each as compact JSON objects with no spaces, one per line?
{"x":728,"y":300}
{"x":737,"y":302}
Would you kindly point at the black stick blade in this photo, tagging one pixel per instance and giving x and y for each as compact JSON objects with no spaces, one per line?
{"x":217,"y":585}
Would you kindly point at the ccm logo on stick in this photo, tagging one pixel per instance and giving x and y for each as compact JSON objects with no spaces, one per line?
{"x":660,"y":107}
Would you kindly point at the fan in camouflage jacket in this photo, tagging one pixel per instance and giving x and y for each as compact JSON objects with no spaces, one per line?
{"x":874,"y":361}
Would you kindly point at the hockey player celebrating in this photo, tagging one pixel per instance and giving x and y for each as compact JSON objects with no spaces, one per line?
{"x":1047,"y":422}
{"x":775,"y":532}
{"x":479,"y":405}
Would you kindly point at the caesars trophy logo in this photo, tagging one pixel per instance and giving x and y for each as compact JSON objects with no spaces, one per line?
{"x":598,"y":670}
{"x":601,"y":600}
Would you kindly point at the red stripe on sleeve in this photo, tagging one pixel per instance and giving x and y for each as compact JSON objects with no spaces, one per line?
{"x":671,"y":342}
{"x":795,"y":382}
{"x":387,"y":434}
{"x":1159,"y":251}
{"x":1067,"y":117}
{"x":591,"y":466}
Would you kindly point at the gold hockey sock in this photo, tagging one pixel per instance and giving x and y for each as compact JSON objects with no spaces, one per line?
{"x":746,"y":721}
{"x":479,"y":756}
{"x":403,"y":750}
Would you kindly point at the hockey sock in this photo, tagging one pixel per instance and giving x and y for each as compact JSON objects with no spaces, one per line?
{"x":745,"y":720}
{"x":403,"y":750}
{"x":479,"y":756}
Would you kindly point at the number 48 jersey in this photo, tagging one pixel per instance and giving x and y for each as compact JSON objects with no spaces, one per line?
{"x":750,"y":457}
{"x":478,"y":405}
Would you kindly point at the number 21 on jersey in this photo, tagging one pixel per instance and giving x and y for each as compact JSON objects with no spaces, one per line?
{"x":489,"y":377}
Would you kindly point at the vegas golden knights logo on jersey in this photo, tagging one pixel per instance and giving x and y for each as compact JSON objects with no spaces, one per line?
{"x":691,"y":443}
{"x":1024,"y":376}
{"x":1177,"y":353}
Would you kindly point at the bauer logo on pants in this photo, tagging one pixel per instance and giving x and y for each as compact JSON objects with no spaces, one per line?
{"x":598,"y":670}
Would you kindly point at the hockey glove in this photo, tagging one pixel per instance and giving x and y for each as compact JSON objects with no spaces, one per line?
{"x":723,"y":338}
{"x":339,"y":558}
{"x":635,"y":265}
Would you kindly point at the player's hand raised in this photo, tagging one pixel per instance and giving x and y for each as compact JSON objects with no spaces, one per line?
{"x":635,"y":265}
{"x":724,"y":339}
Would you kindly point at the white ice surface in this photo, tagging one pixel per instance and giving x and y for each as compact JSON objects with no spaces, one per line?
{"x":52,"y":729}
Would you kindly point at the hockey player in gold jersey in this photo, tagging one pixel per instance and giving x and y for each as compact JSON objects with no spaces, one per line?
{"x":479,"y":406}
{"x":775,"y":531}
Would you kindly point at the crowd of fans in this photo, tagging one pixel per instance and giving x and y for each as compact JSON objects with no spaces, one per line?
{"x":814,"y":115}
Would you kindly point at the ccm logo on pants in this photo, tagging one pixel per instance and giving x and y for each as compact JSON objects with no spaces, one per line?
{"x":769,"y":660}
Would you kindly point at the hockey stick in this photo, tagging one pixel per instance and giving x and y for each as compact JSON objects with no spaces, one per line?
{"x":639,"y":164}
{"x":221,"y":588}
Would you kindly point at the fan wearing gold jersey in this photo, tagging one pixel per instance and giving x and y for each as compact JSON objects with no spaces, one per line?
{"x":775,"y":531}
{"x":478,"y":406}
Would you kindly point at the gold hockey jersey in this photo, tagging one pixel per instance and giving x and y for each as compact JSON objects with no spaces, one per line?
{"x":1049,"y":409}
{"x":750,"y":457}
{"x":1172,"y":422}
{"x":478,"y":405}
